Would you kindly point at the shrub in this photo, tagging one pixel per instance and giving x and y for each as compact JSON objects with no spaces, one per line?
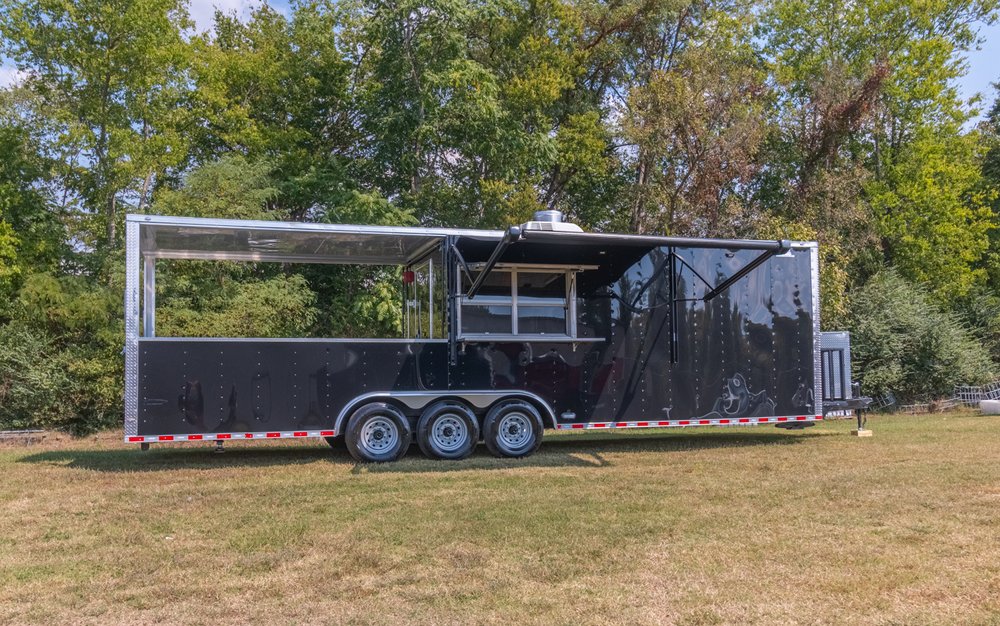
{"x":906,"y":343}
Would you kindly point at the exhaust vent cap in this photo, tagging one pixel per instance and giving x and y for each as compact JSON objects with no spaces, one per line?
{"x":550,"y":220}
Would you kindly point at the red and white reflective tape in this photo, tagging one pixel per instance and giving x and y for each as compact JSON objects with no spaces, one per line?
{"x":281,"y":434}
{"x":299,"y":434}
{"x":725,"y":421}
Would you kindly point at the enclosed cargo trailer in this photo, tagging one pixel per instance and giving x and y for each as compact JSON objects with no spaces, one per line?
{"x":506,"y":333}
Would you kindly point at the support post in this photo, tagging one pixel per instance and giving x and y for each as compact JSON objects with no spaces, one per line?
{"x":148,"y":296}
{"x":132,"y":313}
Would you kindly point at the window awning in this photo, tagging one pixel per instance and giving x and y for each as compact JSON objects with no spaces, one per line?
{"x":611,"y":254}
{"x":163,"y":237}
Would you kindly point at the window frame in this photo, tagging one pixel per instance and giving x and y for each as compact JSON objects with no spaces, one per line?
{"x":567,"y":302}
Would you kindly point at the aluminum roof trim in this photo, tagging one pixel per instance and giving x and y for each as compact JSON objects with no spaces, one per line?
{"x":307,"y":227}
{"x":209,"y":228}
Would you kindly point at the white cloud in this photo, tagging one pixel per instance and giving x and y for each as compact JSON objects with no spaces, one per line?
{"x":9,"y":75}
{"x":203,"y":11}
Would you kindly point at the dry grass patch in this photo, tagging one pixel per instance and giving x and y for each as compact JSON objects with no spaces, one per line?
{"x":688,"y":527}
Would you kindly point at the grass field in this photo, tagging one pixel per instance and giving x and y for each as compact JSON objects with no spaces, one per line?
{"x":690,"y":527}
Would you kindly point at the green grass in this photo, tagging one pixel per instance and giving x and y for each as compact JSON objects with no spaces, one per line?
{"x":703,"y":526}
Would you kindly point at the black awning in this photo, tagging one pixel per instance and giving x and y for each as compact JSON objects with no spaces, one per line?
{"x":612,"y":255}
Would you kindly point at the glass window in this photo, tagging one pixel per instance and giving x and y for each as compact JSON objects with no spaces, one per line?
{"x":486,"y":319}
{"x":541,"y":320}
{"x":534,"y":286}
{"x":496,"y":288}
{"x":533,"y":302}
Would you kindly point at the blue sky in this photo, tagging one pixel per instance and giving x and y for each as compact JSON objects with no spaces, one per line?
{"x":984,"y":64}
{"x":984,"y":67}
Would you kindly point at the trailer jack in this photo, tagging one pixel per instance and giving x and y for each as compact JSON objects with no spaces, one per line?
{"x":218,"y":446}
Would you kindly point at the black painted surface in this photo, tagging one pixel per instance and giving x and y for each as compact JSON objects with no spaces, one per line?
{"x":748,"y":352}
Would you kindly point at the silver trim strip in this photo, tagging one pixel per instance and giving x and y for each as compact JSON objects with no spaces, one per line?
{"x":402,"y":231}
{"x":306,"y":227}
{"x":528,"y":339}
{"x":693,"y":423}
{"x":132,"y":312}
{"x":148,"y":297}
{"x":817,"y":335}
{"x":295,"y":339}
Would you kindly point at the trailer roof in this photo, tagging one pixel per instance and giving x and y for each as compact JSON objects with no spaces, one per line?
{"x":168,"y":237}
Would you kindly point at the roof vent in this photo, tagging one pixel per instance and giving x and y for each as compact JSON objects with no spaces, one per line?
{"x":550,"y":220}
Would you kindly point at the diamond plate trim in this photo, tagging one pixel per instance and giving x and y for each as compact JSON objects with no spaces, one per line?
{"x":131,"y":329}
{"x":817,"y":357}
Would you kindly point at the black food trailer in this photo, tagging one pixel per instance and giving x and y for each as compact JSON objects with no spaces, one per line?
{"x":506,"y":333}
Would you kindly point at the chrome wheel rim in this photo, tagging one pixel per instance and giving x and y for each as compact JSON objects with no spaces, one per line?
{"x":514,"y":430}
{"x":378,"y":435}
{"x":449,"y":433}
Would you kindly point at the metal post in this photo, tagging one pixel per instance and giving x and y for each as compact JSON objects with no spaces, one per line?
{"x":148,"y":296}
{"x":673,"y":303}
{"x":430,"y":297}
{"x":131,"y":328}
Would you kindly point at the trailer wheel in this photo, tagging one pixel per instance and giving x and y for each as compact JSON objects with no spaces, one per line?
{"x":377,"y":433}
{"x":447,"y":430}
{"x":513,"y":428}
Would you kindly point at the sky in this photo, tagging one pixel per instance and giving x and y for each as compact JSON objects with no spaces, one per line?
{"x":984,"y":64}
{"x":984,"y":67}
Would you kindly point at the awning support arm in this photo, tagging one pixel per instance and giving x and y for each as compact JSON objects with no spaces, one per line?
{"x":678,"y":257}
{"x":513,"y":234}
{"x":461,"y":260}
{"x":783,"y":247}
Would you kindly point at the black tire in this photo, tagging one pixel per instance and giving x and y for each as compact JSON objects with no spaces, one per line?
{"x":448,"y":430}
{"x":378,"y":433}
{"x":513,"y":428}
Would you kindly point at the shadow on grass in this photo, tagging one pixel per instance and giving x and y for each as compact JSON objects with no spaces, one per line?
{"x":570,"y":450}
{"x":590,"y":450}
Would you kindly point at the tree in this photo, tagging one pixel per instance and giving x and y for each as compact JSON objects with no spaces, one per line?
{"x":697,"y":126}
{"x":280,"y":89}
{"x":934,"y":218}
{"x":108,"y":76}
{"x":31,"y":238}
{"x":990,"y":185}
{"x":906,"y":343}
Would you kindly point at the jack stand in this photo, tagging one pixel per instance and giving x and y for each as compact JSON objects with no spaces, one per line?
{"x":218,"y":447}
{"x":144,"y":447}
{"x":861,"y":431}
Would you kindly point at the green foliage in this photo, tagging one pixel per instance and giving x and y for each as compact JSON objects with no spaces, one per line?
{"x":30,"y":236}
{"x":936,"y":221}
{"x":981,"y":313}
{"x":906,"y":343}
{"x":230,"y":188}
{"x":989,"y":185}
{"x":802,"y":119}
{"x":33,"y":384}
{"x":275,"y":307}
{"x":108,"y":77}
{"x":74,"y":329}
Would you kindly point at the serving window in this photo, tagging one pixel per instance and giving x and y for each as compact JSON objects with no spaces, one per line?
{"x":520,"y":301}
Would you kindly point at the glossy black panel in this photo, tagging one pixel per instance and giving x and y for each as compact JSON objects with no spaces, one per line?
{"x":747,"y":352}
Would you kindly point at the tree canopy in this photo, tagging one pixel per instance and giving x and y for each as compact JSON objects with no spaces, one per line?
{"x":807,"y":119}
